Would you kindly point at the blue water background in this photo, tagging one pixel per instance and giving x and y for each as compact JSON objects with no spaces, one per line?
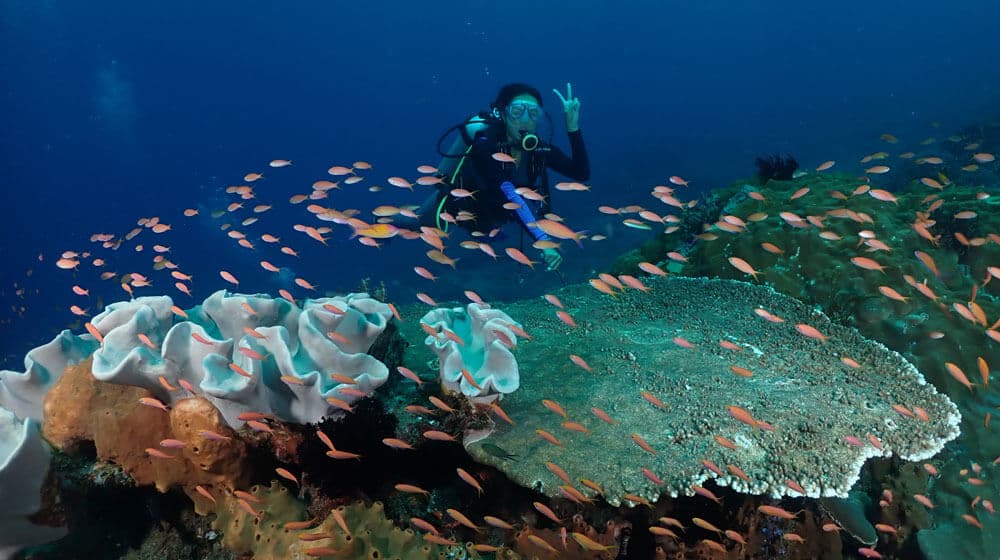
{"x":114,"y":110}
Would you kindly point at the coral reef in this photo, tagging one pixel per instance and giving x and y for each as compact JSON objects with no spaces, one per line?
{"x":717,"y":389}
{"x":660,"y":369}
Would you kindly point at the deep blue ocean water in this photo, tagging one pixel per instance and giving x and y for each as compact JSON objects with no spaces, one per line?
{"x":112,"y":111}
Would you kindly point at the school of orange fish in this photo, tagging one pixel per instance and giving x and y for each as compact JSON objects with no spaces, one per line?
{"x":243,"y":219}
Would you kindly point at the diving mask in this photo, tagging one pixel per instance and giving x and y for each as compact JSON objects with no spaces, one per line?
{"x":519,"y":109}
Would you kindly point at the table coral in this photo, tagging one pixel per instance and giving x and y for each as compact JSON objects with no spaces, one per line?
{"x":661,"y":373}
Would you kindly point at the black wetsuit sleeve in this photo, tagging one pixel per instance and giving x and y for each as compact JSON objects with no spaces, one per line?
{"x":576,"y":167}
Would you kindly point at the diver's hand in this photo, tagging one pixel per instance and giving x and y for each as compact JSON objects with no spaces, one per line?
{"x":571,"y":106}
{"x":552,"y":258}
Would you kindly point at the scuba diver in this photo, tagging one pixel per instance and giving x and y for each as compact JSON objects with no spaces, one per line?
{"x":492,"y":198}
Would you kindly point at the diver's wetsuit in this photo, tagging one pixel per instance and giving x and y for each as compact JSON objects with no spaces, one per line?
{"x":483,"y":175}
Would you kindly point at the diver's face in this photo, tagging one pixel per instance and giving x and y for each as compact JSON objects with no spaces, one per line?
{"x":521,"y":116}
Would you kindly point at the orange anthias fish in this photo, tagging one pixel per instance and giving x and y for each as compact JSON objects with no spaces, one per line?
{"x":743,"y":415}
{"x":439,"y":257}
{"x":867,"y":263}
{"x":554,"y":407}
{"x":604,"y":416}
{"x":587,"y":543}
{"x":743,"y":266}
{"x":461,"y":518}
{"x":566,"y":318}
{"x":643,"y":444}
{"x":959,"y":375}
{"x":651,"y":268}
{"x":548,"y":437}
{"x":580,"y":362}
{"x":520,"y":257}
{"x":470,"y":480}
{"x":928,"y":262}
{"x":810,"y":331}
{"x":558,"y":230}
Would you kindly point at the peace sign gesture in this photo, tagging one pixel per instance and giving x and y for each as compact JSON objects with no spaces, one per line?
{"x":571,"y":107}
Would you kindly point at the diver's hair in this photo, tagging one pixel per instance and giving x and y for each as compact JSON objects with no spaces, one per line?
{"x":508,"y":92}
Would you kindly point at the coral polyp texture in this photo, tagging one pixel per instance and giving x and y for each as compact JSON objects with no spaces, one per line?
{"x":478,"y":340}
{"x":246,"y":352}
{"x":708,"y":379}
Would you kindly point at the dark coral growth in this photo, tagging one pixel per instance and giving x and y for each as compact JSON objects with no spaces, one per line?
{"x":776,"y":167}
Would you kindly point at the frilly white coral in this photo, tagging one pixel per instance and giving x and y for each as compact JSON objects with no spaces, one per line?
{"x":474,"y":339}
{"x":246,"y":352}
{"x":24,"y":462}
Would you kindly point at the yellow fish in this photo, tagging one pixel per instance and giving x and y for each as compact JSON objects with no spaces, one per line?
{"x":378,"y":231}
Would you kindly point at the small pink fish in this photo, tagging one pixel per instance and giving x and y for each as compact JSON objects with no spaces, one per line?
{"x":651,"y":399}
{"x":214,"y":436}
{"x":652,"y":476}
{"x":810,"y":332}
{"x":409,"y":374}
{"x":554,"y":407}
{"x":743,"y":266}
{"x":553,"y":300}
{"x":651,"y":268}
{"x":252,"y":354}
{"x":152,"y":452}
{"x":853,"y":441}
{"x":155,"y":403}
{"x":883,"y":195}
{"x":580,"y":362}
{"x":602,"y":415}
{"x":566,"y":318}
{"x":682,"y":342}
{"x":474,"y":297}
